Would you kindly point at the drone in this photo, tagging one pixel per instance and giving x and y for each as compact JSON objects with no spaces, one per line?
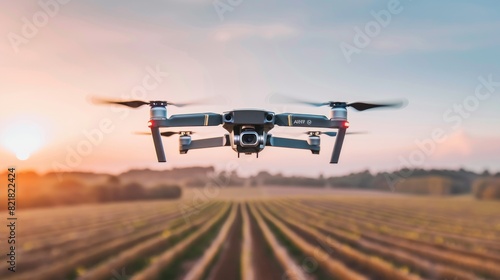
{"x":247,"y":130}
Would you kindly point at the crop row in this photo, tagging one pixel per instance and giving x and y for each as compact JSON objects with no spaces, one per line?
{"x":299,"y":239}
{"x":425,"y":258}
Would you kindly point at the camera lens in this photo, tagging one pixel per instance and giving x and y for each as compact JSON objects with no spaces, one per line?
{"x":249,"y":138}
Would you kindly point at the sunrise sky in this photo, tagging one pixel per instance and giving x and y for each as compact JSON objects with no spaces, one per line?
{"x":442,"y":56}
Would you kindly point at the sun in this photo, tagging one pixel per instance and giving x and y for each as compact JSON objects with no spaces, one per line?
{"x":22,"y":137}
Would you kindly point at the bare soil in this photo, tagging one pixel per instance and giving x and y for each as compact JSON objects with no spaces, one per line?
{"x":227,"y":265}
{"x":264,"y":262}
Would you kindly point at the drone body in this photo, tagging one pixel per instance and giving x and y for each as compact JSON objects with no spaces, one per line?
{"x":247,"y":130}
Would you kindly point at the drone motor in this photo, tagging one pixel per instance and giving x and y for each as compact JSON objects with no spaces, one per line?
{"x":338,"y":111}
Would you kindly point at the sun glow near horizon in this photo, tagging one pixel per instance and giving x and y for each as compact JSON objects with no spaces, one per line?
{"x":23,"y":138}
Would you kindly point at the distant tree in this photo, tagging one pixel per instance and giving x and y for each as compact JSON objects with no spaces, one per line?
{"x":197,"y":182}
{"x":113,"y":180}
{"x":486,"y":173}
{"x":461,"y":180}
{"x":164,"y":192}
{"x":133,"y":191}
{"x":263,"y":174}
{"x":354,"y":180}
{"x":253,"y":182}
{"x":70,"y":191}
{"x":427,"y":185}
{"x":41,"y":200}
{"x":104,"y":193}
{"x":487,"y":188}
{"x":69,"y":185}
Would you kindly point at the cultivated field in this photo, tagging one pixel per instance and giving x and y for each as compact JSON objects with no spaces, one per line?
{"x":334,"y":235}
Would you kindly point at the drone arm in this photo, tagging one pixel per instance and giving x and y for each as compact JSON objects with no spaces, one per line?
{"x":291,"y":143}
{"x":338,"y":145}
{"x":160,"y":153}
{"x":208,"y":143}
{"x":201,"y":119}
{"x":306,"y":120}
{"x":287,"y":143}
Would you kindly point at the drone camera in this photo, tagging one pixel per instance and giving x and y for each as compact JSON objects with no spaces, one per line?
{"x":249,"y":139}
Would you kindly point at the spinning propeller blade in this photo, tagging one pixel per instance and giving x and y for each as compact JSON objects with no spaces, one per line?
{"x":183,"y":104}
{"x":130,"y":103}
{"x":359,"y":106}
{"x":138,"y":103}
{"x":333,"y":133}
{"x":328,"y":133}
{"x":280,"y":98}
{"x":166,"y":133}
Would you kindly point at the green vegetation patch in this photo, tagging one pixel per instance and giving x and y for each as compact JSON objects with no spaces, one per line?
{"x":300,"y":258}
{"x":142,"y":261}
{"x":176,"y":269}
{"x":212,"y":263}
{"x":237,"y":230}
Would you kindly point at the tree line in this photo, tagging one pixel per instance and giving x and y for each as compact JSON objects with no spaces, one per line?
{"x":417,"y":181}
{"x":72,"y":191}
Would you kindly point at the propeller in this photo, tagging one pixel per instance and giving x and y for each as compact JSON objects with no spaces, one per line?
{"x":137,"y":103}
{"x":333,"y":133}
{"x":280,"y":98}
{"x":329,"y":133}
{"x":362,"y":106}
{"x":359,"y":106}
{"x":166,"y":133}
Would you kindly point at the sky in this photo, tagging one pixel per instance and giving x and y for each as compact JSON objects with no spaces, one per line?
{"x":441,"y":56}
